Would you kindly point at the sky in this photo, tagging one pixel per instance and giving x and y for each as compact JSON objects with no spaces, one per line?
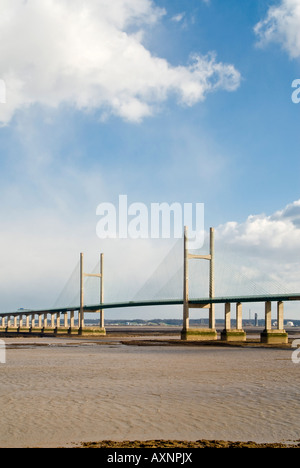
{"x":159,"y":100}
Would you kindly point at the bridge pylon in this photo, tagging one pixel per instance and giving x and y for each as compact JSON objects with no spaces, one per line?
{"x":82,"y":310}
{"x":188,"y":333}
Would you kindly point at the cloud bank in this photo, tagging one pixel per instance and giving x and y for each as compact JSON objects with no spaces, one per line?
{"x":282,"y":25}
{"x":262,"y":251}
{"x":90,"y":55}
{"x":262,"y":233}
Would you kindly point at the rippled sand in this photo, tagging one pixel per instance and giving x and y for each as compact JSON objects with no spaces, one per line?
{"x":73,"y":391}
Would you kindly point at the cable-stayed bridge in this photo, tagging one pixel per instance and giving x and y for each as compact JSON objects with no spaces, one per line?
{"x":197,"y":281}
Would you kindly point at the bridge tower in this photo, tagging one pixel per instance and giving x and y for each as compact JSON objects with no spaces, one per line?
{"x":82,"y":328}
{"x":188,"y":333}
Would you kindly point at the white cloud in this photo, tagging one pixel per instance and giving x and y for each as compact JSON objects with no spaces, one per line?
{"x":91,"y":55}
{"x":262,"y":250}
{"x":282,"y":25}
{"x":262,"y":233}
{"x":179,"y":17}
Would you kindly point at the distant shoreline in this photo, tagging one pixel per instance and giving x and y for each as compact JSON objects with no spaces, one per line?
{"x":132,"y":339}
{"x":137,"y":336}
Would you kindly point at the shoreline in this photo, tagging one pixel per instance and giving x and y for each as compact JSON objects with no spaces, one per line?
{"x":15,"y":341}
{"x":143,"y":337}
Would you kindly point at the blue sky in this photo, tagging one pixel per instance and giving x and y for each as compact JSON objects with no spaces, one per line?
{"x":165,"y":101}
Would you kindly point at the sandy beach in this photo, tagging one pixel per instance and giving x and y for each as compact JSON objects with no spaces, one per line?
{"x":66,"y":391}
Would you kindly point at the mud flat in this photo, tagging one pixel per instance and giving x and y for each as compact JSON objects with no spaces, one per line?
{"x":67,"y":392}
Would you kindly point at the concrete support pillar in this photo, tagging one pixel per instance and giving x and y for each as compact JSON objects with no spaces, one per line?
{"x":72,"y":319}
{"x":27,"y":321}
{"x":58,"y":320}
{"x":227,"y":316}
{"x":212,"y":317}
{"x":3,"y":322}
{"x":102,"y":319}
{"x":40,"y":321}
{"x":280,"y":316}
{"x":45,"y":325}
{"x":53,"y":320}
{"x":8,"y":321}
{"x":21,"y":321}
{"x":72,"y":328}
{"x":239,"y":318}
{"x":33,"y":321}
{"x":268,"y":316}
{"x":66,"y":319}
{"x":15,"y":321}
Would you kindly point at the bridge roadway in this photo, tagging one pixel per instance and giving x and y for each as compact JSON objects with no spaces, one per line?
{"x":201,"y":303}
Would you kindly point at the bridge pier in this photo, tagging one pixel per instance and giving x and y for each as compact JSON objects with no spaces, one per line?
{"x":15,"y":325}
{"x":8,"y":322}
{"x":20,"y":322}
{"x":271,"y":335}
{"x":45,"y":322}
{"x":233,"y":334}
{"x":62,"y":329}
{"x":12,"y":325}
{"x":35,"y":328}
{"x":72,"y":319}
{"x":49,"y":328}
{"x":24,"y":328}
{"x":39,"y":326}
{"x":32,"y":322}
{"x":72,"y":329}
{"x":2,"y":326}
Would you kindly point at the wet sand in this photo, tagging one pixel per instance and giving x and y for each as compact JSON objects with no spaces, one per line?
{"x":65,"y":392}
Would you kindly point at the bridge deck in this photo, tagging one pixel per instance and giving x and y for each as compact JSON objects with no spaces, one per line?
{"x":162,"y":302}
